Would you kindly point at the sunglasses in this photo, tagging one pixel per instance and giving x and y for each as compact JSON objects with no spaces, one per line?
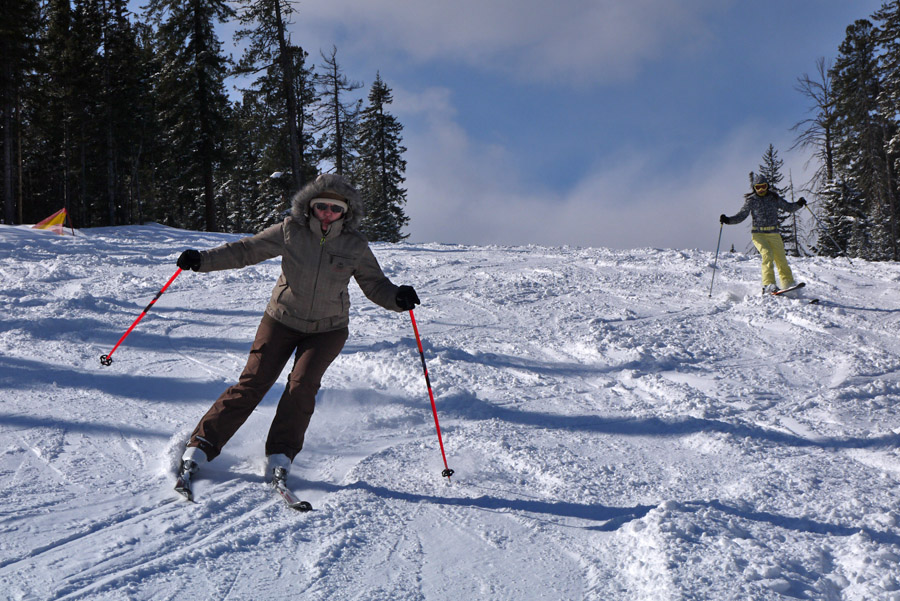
{"x":322,"y":206}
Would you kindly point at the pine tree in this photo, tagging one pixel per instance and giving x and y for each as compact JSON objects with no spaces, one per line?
{"x":123,"y":107}
{"x":144,"y":135}
{"x":860,"y":133}
{"x":48,"y":114}
{"x":339,"y":117}
{"x":840,"y":219}
{"x":66,"y":134}
{"x":269,"y":49}
{"x":262,"y":190}
{"x":308,"y":128}
{"x":191,"y":94}
{"x":888,"y":36}
{"x":18,"y":35}
{"x":381,"y":167}
{"x":263,"y":100}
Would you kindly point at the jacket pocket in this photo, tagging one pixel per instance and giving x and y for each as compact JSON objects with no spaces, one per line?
{"x":341,"y":263}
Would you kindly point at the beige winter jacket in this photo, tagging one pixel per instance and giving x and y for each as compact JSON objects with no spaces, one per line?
{"x":311,"y":295}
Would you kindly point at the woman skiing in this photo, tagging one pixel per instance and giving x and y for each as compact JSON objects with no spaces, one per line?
{"x":307,"y":316}
{"x":763,"y":204}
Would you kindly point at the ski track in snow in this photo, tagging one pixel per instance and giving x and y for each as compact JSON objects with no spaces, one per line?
{"x":616,"y":432}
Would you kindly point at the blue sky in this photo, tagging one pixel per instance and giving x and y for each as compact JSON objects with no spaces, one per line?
{"x":618,"y":123}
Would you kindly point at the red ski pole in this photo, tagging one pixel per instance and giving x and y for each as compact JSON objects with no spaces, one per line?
{"x":447,"y":471}
{"x":107,"y":359}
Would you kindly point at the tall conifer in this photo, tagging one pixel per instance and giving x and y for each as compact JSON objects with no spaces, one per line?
{"x":859,"y":134}
{"x":381,"y":167}
{"x":18,"y":35}
{"x":193,"y":104}
{"x":339,"y":116}
{"x":888,"y":35}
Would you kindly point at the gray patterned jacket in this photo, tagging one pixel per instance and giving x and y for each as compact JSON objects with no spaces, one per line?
{"x":764,"y":210}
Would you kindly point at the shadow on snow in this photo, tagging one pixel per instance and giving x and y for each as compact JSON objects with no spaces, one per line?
{"x":471,"y":407}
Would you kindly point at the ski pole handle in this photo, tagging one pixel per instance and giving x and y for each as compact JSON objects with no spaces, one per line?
{"x":107,"y":358}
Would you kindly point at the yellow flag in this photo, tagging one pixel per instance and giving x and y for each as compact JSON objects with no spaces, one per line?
{"x":54,"y":222}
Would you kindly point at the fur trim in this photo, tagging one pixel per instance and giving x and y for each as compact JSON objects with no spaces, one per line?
{"x":334,"y":184}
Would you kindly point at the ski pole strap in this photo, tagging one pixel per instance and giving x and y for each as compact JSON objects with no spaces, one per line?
{"x":107,"y":359}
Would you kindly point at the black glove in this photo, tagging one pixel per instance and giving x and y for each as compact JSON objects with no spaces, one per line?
{"x":802,"y":202}
{"x":407,"y":298}
{"x":723,"y":219}
{"x":189,"y":259}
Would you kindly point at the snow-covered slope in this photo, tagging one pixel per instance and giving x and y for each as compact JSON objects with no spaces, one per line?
{"x":616,"y":433}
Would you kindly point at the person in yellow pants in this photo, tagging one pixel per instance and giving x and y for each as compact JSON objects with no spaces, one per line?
{"x":771,"y":251}
{"x":763,"y":204}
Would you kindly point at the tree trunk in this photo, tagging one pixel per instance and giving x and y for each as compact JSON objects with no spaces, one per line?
{"x":8,"y":198}
{"x":205,"y":125}
{"x":338,"y":134}
{"x":287,"y":73}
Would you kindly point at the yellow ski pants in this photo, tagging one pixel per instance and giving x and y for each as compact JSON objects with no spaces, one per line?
{"x":771,"y":249}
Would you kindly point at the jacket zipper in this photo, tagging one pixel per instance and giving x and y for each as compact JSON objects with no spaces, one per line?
{"x":312,"y":302}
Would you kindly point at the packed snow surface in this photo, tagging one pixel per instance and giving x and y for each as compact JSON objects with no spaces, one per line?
{"x":616,"y":431}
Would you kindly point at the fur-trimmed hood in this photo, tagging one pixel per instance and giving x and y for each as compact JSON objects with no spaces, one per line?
{"x":335,"y":184}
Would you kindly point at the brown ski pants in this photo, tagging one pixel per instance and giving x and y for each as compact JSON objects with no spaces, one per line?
{"x":272,"y":347}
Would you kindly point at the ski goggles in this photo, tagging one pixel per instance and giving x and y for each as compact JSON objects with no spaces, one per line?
{"x":761,"y":187}
{"x":324,"y":206}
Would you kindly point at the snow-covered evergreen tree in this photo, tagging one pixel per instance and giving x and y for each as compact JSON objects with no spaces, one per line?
{"x":191,"y":94}
{"x":264,"y":101}
{"x":888,"y":35}
{"x":381,"y":167}
{"x":18,"y":37}
{"x":840,"y":210}
{"x":265,"y":24}
{"x":860,"y":134}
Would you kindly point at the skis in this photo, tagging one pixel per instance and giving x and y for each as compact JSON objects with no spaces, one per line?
{"x":812,"y":301}
{"x":183,"y":482}
{"x":183,"y":486}
{"x":290,"y":499}
{"x":789,"y":289}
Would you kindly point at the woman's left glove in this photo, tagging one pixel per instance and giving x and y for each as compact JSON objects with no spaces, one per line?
{"x":189,"y":259}
{"x":407,"y":298}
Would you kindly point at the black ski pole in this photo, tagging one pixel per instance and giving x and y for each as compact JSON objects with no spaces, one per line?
{"x":716,"y":262}
{"x":822,"y":227}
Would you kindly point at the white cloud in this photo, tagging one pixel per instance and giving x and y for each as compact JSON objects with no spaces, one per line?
{"x":572,"y":40}
{"x":465,"y":192}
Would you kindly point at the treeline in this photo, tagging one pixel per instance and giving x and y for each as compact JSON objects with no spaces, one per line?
{"x":125,"y":120}
{"x":854,"y":133}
